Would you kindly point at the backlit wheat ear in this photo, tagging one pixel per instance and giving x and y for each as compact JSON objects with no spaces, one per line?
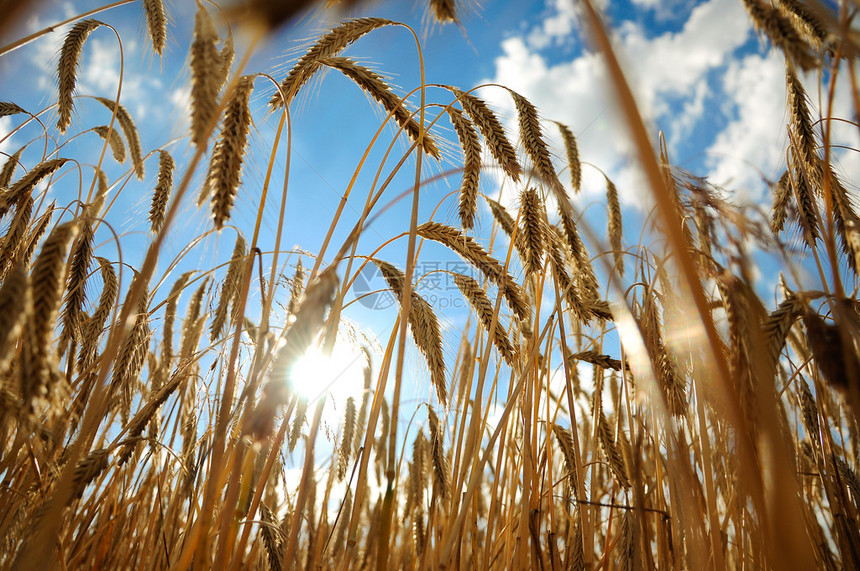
{"x":68,"y":68}
{"x":130,"y":131}
{"x":117,"y":147}
{"x":507,"y":224}
{"x":613,"y":226}
{"x":156,"y":21}
{"x":597,"y":359}
{"x":780,"y":31}
{"x":227,"y":54}
{"x":444,"y":10}
{"x":170,"y":317}
{"x":807,"y":23}
{"x":572,"y":152}
{"x":47,"y":276}
{"x":79,"y":268}
{"x":328,"y":45}
{"x":8,"y":169}
{"x":531,"y":214}
{"x":225,"y":168}
{"x":36,"y":234}
{"x":297,"y":288}
{"x":230,"y":289}
{"x":565,"y":442}
{"x":346,"y":439}
{"x":206,"y":72}
{"x":613,"y":454}
{"x":781,"y":200}
{"x":163,"y":188}
{"x":8,"y":108}
{"x":91,"y":329}
{"x":437,"y":455}
{"x":471,"y":166}
{"x":424,"y":326}
{"x":778,"y":324}
{"x":472,"y":252}
{"x":88,"y":470}
{"x":132,"y":354}
{"x":801,"y":125}
{"x":479,"y":301}
{"x":847,"y":220}
{"x":14,"y":307}
{"x":484,"y":118}
{"x":375,"y":86}
{"x":534,"y":144}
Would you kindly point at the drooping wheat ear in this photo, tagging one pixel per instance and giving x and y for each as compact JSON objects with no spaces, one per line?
{"x":138,"y":423}
{"x":230,"y":288}
{"x":780,"y":31}
{"x":531,"y":214}
{"x":346,"y":439}
{"x":272,"y":540}
{"x":417,"y":473}
{"x":595,"y":358}
{"x":441,"y":473}
{"x":493,"y":133}
{"x":156,"y":20}
{"x":225,"y":168}
{"x":33,"y":239}
{"x":8,"y":108}
{"x":534,"y":144}
{"x":801,"y":125}
{"x":781,"y":200}
{"x":809,"y":410}
{"x":170,"y":318}
{"x":704,"y":226}
{"x":132,"y":353}
{"x":309,"y":320}
{"x":88,"y":470}
{"x":79,"y":269}
{"x":163,"y":188}
{"x":610,"y":448}
{"x":807,"y":209}
{"x":565,"y":442}
{"x":778,"y":324}
{"x":328,"y":45}
{"x":424,"y":326}
{"x":572,"y":151}
{"x":507,"y":224}
{"x":7,"y":172}
{"x":130,"y":131}
{"x":192,"y":327}
{"x":68,"y":68}
{"x":206,"y":72}
{"x":807,"y":23}
{"x":613,"y":225}
{"x":564,"y":284}
{"x":375,"y":86}
{"x":101,"y":193}
{"x":117,"y":147}
{"x":471,"y":166}
{"x":47,"y":276}
{"x":14,"y":309}
{"x":471,"y":251}
{"x":227,"y":54}
{"x":571,"y":232}
{"x":37,"y":174}
{"x":847,"y":220}
{"x":444,"y":10}
{"x":91,"y":329}
{"x":297,"y":287}
{"x":482,"y":305}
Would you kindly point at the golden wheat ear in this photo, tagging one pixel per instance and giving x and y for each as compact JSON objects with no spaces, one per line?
{"x":471,"y":166}
{"x":67,"y":70}
{"x":156,"y":21}
{"x":494,"y":134}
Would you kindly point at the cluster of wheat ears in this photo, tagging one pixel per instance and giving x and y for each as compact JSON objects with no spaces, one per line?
{"x":713,"y":433}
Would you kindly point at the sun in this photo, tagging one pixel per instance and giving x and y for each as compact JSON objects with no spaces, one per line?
{"x":337,"y":376}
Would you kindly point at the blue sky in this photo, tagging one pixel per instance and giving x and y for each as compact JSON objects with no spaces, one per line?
{"x":700,"y":73}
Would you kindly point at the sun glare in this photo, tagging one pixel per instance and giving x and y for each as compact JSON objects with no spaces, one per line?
{"x":339,"y":375}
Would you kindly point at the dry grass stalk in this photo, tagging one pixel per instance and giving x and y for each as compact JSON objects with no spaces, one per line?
{"x":375,"y":86}
{"x":482,"y":305}
{"x":230,"y":289}
{"x":156,"y":21}
{"x":47,"y":277}
{"x":471,"y":166}
{"x":532,"y":216}
{"x":613,"y":226}
{"x":535,"y":146}
{"x":206,"y":80}
{"x":117,"y":147}
{"x":572,"y":152}
{"x":68,"y":68}
{"x":163,"y":188}
{"x":424,"y":327}
{"x":474,"y":253}
{"x":497,"y":141}
{"x":225,"y":168}
{"x":327,"y":46}
{"x":442,"y":477}
{"x":130,"y":131}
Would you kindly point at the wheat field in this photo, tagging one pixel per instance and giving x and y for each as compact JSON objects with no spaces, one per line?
{"x":596,"y":403}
